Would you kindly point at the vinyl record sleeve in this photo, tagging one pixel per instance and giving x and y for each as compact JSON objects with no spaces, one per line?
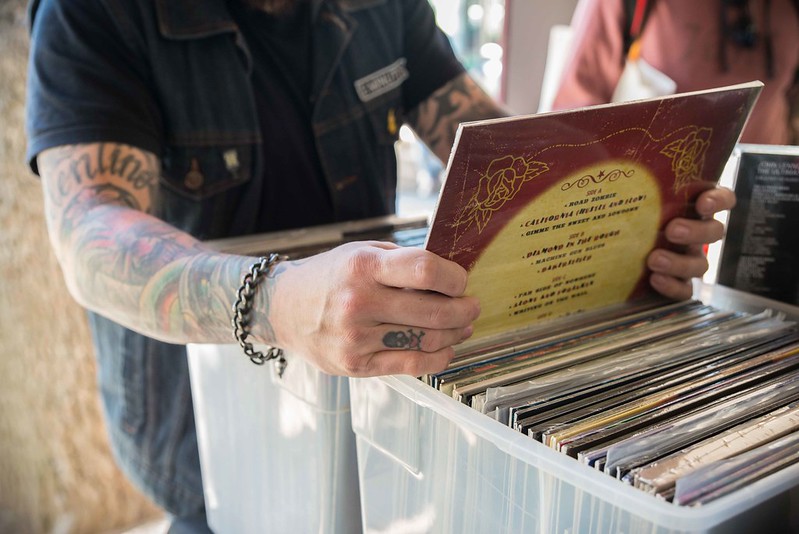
{"x":554,"y":214}
{"x":662,"y":475}
{"x":615,"y":346}
{"x":534,"y":419}
{"x":621,"y":422}
{"x":567,"y":350}
{"x":760,"y":253}
{"x":712,"y":337}
{"x":722,"y":477}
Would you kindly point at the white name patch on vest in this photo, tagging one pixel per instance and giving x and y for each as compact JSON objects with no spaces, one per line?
{"x":381,"y":81}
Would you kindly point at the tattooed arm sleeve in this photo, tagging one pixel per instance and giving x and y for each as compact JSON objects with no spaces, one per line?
{"x":436,"y":119}
{"x":120,"y":261}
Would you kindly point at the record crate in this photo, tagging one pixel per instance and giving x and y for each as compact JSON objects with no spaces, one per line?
{"x":279,"y":453}
{"x":428,"y":463}
{"x":274,"y":452}
{"x":549,"y":214}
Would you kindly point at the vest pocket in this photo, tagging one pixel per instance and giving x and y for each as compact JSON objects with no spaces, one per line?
{"x":199,"y":172}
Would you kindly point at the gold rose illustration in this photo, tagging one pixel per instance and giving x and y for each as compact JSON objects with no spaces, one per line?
{"x":501,"y":181}
{"x":688,"y":156}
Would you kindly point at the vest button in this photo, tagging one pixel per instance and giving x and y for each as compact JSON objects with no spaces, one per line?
{"x":194,"y":179}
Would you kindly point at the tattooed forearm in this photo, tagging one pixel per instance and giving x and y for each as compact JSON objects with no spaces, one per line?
{"x":436,"y":119}
{"x":193,"y":297}
{"x":121,"y":261}
{"x":127,"y":245}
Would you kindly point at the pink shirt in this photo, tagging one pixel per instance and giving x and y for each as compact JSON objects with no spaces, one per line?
{"x":681,"y":39}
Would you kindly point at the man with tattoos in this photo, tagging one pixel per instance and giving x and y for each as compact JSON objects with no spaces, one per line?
{"x":157,"y":124}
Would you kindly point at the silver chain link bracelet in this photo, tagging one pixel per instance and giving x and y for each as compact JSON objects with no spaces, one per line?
{"x":242,"y":311}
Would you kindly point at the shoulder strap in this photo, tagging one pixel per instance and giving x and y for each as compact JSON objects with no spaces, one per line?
{"x":635,"y":14}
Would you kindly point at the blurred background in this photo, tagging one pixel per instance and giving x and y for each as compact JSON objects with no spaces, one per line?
{"x":56,"y":471}
{"x":504,"y":45}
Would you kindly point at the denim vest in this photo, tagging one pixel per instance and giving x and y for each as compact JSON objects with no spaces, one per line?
{"x":212,"y":148}
{"x":211,"y":160}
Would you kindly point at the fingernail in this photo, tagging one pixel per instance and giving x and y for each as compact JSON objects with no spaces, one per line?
{"x":657,"y":280}
{"x":661,"y":262}
{"x":679,"y":231}
{"x":476,"y":311}
{"x":467,"y":333}
{"x":710,"y":205}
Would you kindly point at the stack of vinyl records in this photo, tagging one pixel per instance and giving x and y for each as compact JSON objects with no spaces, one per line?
{"x":683,"y":401}
{"x":554,"y":217}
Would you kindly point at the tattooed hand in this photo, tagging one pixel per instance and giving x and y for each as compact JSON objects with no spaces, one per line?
{"x":372,"y":308}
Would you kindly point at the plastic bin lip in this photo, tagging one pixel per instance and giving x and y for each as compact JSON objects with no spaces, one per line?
{"x":598,"y":484}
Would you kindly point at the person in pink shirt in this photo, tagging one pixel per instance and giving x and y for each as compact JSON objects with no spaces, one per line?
{"x":699,"y":45}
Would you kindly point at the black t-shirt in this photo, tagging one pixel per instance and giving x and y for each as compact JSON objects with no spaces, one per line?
{"x":295,"y":193}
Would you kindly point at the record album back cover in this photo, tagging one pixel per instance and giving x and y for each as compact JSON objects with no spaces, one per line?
{"x":554,"y":214}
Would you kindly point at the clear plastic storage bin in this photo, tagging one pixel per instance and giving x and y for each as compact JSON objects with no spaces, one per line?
{"x":277,"y":454}
{"x":427,"y":463}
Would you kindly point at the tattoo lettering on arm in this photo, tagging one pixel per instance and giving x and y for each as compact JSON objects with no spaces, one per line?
{"x":436,"y":119}
{"x":404,"y":339}
{"x":77,"y":168}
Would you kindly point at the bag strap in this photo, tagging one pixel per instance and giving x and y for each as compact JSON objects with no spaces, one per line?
{"x":637,"y":11}
{"x":635,"y":14}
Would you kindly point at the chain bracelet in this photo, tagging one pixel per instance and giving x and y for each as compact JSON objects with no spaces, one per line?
{"x":242,"y":311}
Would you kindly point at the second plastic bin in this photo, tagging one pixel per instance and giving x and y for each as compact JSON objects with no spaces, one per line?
{"x":277,"y":455}
{"x":430,"y":464}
